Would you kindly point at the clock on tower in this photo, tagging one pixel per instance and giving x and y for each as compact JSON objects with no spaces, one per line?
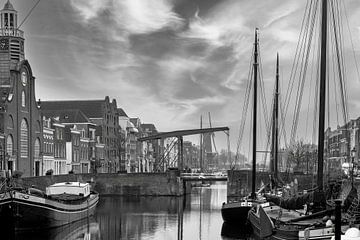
{"x":4,"y":44}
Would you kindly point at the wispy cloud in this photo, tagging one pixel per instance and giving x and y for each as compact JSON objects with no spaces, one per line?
{"x":132,"y":16}
{"x":166,"y":61}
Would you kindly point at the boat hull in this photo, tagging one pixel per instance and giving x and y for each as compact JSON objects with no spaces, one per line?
{"x":236,"y":212}
{"x":22,"y":211}
{"x":288,"y":232}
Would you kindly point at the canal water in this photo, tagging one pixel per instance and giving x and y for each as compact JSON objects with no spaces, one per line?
{"x":196,"y":216}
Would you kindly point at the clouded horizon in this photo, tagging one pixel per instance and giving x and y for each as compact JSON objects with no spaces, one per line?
{"x":166,"y":61}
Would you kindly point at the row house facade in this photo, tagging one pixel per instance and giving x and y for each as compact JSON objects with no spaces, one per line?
{"x":150,"y":148}
{"x":342,"y":144}
{"x":102,"y":115}
{"x":48,"y":159}
{"x":136,"y":147}
{"x":128,"y":141}
{"x":84,"y":152}
{"x":54,"y":147}
{"x":138,"y":156}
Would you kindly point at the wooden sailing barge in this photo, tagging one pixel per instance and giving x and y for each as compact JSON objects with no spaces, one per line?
{"x":237,"y":212}
{"x":274,"y":221}
{"x":61,"y":204}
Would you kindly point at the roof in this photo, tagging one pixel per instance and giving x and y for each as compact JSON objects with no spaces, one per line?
{"x":122,"y":113}
{"x":67,"y":115}
{"x":91,"y":108}
{"x":135,"y":121}
{"x":8,"y":6}
{"x":149,"y":126}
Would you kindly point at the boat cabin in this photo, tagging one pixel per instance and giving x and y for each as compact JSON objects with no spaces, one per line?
{"x":72,"y":188}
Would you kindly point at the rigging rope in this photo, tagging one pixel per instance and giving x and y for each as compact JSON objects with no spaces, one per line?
{"x":31,"y":10}
{"x":303,"y":70}
{"x":245,"y":108}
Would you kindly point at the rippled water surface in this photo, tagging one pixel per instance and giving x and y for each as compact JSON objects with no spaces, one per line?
{"x":196,"y":216}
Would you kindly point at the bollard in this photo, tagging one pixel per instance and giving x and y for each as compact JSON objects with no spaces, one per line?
{"x":337,"y":219}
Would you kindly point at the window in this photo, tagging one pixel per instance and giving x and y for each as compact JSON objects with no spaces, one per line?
{"x":11,"y":122}
{"x":24,"y":139}
{"x":9,"y":145}
{"x":11,"y":20}
{"x":23,"y":102}
{"x":37,"y":149}
{"x":38,"y":126}
{"x":6,"y":20}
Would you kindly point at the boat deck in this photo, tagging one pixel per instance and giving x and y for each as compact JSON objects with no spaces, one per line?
{"x":284,"y":215}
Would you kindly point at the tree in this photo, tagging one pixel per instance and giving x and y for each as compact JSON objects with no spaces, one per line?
{"x":223,"y":162}
{"x":300,"y":156}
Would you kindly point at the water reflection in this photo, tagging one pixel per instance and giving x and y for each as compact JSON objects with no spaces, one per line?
{"x":196,"y":216}
{"x":86,"y":229}
{"x":229,"y":231}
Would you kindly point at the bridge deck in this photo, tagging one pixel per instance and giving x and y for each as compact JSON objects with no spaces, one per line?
{"x":203,"y":177}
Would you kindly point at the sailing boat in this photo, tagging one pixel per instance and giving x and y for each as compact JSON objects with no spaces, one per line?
{"x":254,"y":214}
{"x":281,"y":223}
{"x":237,"y":212}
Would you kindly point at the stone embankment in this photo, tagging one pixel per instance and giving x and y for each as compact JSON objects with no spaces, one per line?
{"x":128,"y":184}
{"x":239,"y":182}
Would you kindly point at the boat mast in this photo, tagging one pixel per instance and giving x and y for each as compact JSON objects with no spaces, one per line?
{"x":276,"y":120}
{"x":253,"y":194}
{"x":201,"y":148}
{"x":322,"y":95}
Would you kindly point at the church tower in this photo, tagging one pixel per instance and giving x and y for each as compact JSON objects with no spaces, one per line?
{"x":20,"y":125}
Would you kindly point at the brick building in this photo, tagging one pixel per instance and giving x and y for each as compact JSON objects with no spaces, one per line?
{"x":103,"y":114}
{"x":150,"y":148}
{"x":20,"y":121}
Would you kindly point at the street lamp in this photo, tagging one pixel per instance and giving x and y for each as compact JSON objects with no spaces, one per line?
{"x":353,"y":154}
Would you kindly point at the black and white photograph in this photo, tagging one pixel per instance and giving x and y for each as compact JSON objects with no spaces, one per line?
{"x":179,"y":119}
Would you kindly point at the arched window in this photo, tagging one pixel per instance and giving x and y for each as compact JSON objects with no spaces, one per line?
{"x":37,"y":149}
{"x":23,"y":102}
{"x":10,"y":122}
{"x":24,"y":139}
{"x":9,"y":145}
{"x":38,"y":126}
{"x":37,"y":157}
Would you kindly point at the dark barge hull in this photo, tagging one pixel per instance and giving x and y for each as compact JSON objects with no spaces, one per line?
{"x":22,"y":211}
{"x":236,"y":212}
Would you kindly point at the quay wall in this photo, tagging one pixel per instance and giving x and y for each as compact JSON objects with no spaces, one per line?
{"x":239,"y":182}
{"x":126,"y":184}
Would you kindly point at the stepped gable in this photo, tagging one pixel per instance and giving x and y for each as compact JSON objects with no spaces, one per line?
{"x":91,"y":108}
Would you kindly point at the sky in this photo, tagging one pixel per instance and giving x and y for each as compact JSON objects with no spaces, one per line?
{"x":168,"y":61}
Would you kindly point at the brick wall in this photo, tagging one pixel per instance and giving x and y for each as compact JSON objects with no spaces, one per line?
{"x":131,"y":184}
